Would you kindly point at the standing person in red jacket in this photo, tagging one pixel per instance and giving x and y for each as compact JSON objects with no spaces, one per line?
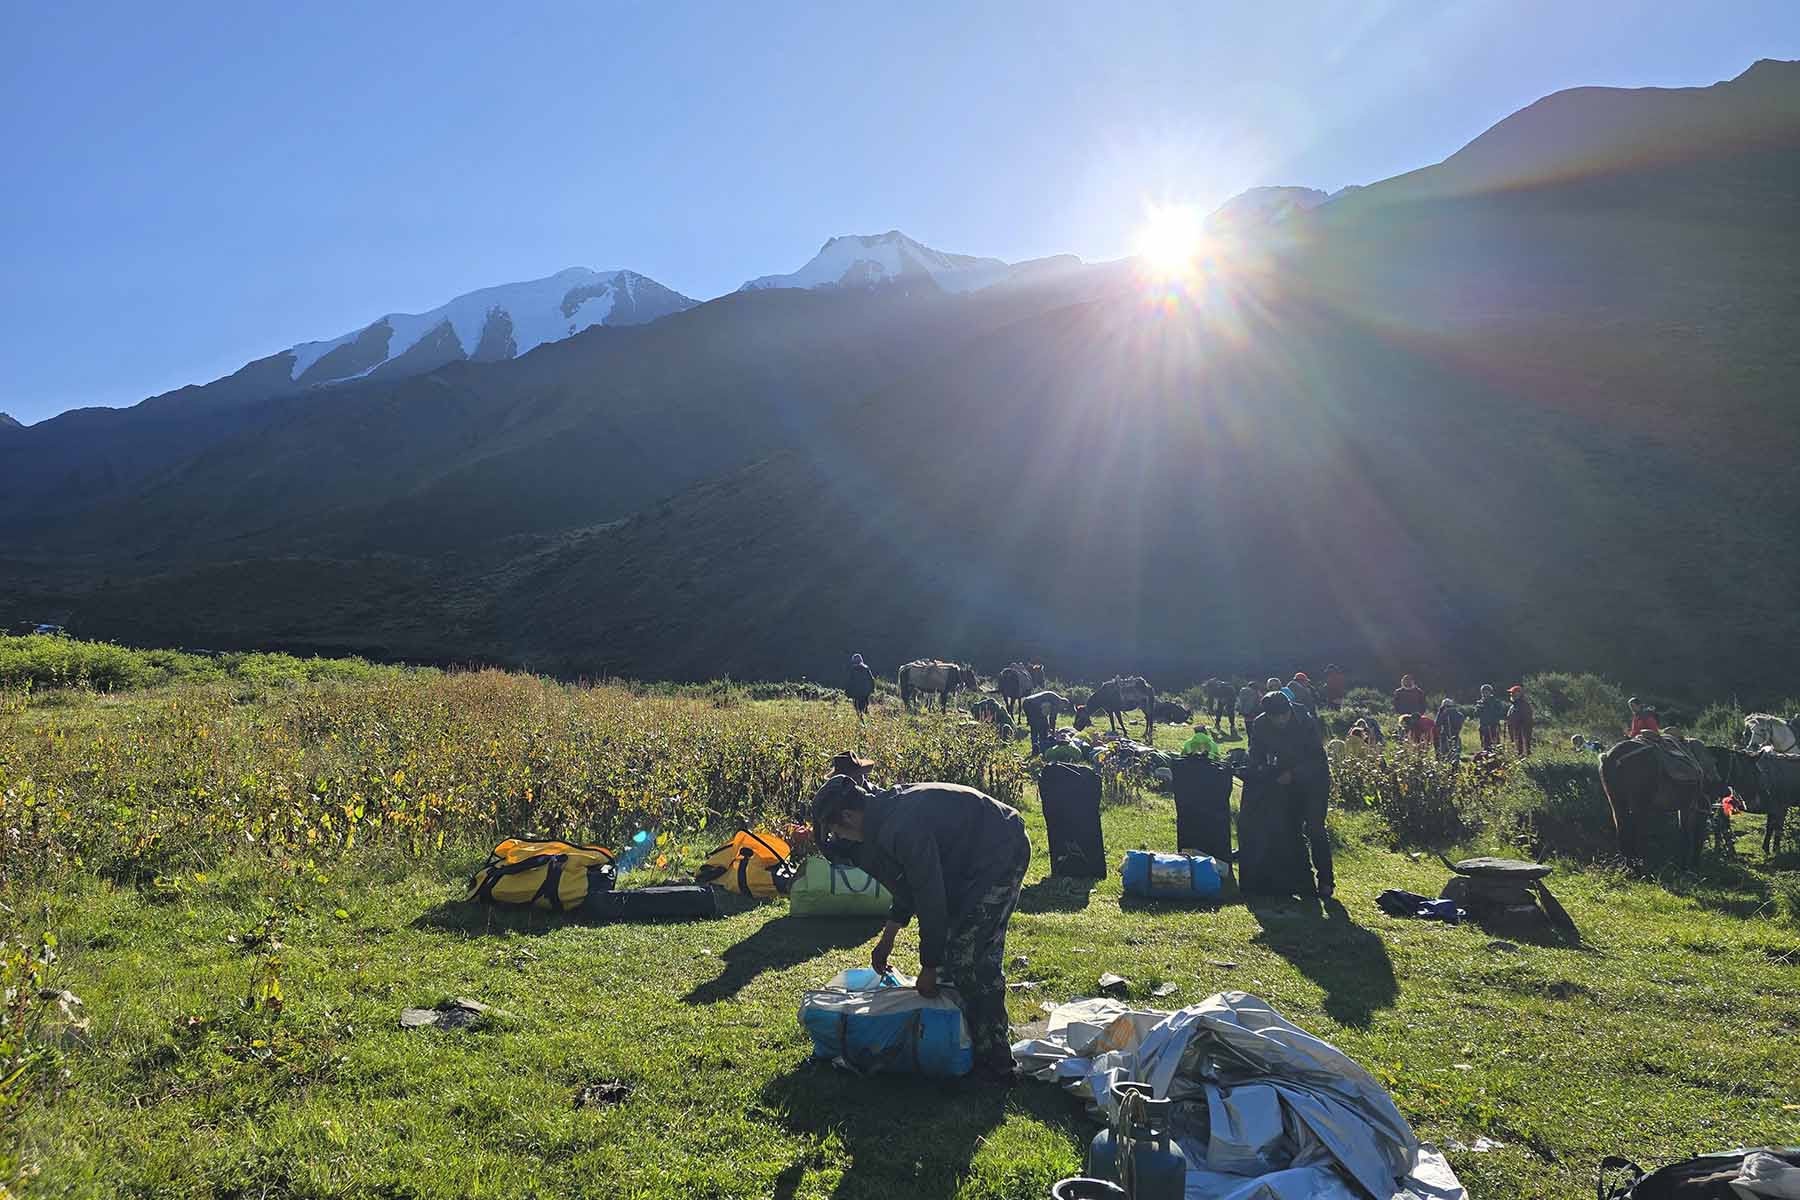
{"x":1518,"y":721}
{"x":1335,"y":686}
{"x":1643,"y":720}
{"x":1409,"y":697}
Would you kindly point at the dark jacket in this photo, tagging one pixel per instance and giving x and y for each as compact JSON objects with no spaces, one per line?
{"x":1409,"y":700}
{"x":937,"y":847}
{"x":861,"y":684}
{"x":1047,"y":703}
{"x":1296,"y":748}
{"x":1490,"y":711}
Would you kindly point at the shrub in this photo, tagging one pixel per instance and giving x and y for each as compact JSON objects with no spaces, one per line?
{"x":1585,"y":701}
{"x":1420,"y":800}
{"x":1556,"y":806}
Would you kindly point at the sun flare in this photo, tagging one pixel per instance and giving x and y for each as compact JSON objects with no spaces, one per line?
{"x":1171,"y":239}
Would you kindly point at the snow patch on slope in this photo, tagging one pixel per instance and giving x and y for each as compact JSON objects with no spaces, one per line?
{"x":861,"y":261}
{"x":539,"y":310}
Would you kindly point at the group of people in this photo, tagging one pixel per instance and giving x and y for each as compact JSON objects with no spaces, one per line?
{"x":1441,"y":730}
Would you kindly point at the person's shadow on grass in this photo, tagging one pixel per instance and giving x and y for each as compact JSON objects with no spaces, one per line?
{"x":1056,"y":893}
{"x":1350,"y":962}
{"x":778,"y":944}
{"x":903,"y":1135}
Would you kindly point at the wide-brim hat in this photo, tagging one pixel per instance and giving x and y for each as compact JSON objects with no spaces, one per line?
{"x":844,"y":762}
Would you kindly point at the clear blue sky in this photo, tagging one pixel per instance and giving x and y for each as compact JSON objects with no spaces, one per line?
{"x":192,"y":186}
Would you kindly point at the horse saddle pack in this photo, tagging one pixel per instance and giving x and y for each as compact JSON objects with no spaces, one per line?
{"x":1679,"y":760}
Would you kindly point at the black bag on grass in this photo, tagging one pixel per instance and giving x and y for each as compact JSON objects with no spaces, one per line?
{"x":674,"y":902}
{"x":1202,"y":806}
{"x":1703,"y":1177}
{"x":1071,"y":797}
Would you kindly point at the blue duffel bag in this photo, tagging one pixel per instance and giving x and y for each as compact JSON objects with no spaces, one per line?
{"x":887,"y":1026}
{"x":1170,"y":876}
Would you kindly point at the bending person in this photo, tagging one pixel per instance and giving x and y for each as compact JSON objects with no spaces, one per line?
{"x":955,"y":858}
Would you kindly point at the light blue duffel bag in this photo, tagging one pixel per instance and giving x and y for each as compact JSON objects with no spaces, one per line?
{"x":885,"y":1025}
{"x":1170,"y":876}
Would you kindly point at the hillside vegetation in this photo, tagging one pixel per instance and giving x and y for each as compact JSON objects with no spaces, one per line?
{"x":1514,"y":410}
{"x":228,"y":888}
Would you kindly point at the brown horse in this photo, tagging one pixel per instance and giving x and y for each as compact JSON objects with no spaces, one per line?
{"x":1115,"y":698}
{"x":1638,"y":784}
{"x":1017,"y":681}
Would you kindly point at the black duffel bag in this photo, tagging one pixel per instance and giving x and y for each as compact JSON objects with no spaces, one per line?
{"x":1703,"y":1177}
{"x":674,"y":902}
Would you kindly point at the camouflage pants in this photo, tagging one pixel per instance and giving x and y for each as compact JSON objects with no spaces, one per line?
{"x":975,"y":951}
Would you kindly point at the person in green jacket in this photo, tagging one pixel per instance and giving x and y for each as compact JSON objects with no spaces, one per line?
{"x":1201,"y":743}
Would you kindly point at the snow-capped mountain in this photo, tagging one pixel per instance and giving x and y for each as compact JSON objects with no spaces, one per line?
{"x":1261,"y":206}
{"x":8,"y":421}
{"x":892,"y":257}
{"x":487,"y":325}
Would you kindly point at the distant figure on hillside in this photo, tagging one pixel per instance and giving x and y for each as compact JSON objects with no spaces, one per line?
{"x":1643,"y":718}
{"x":1040,"y":710}
{"x":1335,"y":686}
{"x":1449,"y":722}
{"x":1286,"y":785}
{"x":860,"y":686}
{"x":1519,"y":720}
{"x":955,"y":857}
{"x":1409,"y":697}
{"x":1490,"y":711}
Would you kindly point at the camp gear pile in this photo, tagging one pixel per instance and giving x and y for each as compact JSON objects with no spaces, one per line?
{"x":1153,"y":876}
{"x":750,"y":864}
{"x":1071,"y":798}
{"x":1263,"y":1110}
{"x":870,"y":1024}
{"x":827,"y":889}
{"x":559,"y":876}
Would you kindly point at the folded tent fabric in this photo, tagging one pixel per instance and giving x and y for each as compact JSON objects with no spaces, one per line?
{"x":1290,"y":1115}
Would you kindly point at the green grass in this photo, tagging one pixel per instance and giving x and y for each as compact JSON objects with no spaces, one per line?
{"x":1670,"y":1029}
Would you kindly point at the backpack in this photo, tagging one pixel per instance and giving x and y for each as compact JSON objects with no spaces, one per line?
{"x":1768,"y":1171}
{"x":555,"y":875}
{"x":750,"y":864}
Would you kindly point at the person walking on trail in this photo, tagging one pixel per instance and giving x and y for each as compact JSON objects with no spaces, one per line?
{"x":1490,"y":711}
{"x":1040,"y":717}
{"x":1643,"y":719}
{"x":1449,"y":721}
{"x":1287,"y":784}
{"x":1249,"y":703}
{"x":1409,"y":697}
{"x":860,"y":686}
{"x":1335,"y":686}
{"x":1519,"y":720}
{"x":1201,"y":743}
{"x":955,"y":858}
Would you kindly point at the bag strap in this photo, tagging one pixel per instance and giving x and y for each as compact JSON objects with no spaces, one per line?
{"x":744,"y":871}
{"x":777,"y":855}
{"x":1612,"y":1164}
{"x":551,"y":888}
{"x":491,"y":874}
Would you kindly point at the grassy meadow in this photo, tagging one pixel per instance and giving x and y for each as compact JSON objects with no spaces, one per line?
{"x":244,"y":880}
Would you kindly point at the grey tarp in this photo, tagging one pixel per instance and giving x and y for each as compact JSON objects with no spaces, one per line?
{"x":1290,"y":1115}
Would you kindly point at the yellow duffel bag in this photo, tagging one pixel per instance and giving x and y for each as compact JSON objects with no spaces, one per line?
{"x":555,"y":875}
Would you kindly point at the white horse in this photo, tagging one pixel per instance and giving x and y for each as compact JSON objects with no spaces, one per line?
{"x":1764,"y":730}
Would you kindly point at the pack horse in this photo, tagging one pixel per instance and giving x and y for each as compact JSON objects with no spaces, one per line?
{"x":1018,"y":681}
{"x":929,"y":677}
{"x":1115,"y":698}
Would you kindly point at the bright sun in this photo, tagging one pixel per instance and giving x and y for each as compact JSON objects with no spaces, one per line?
{"x":1171,"y":239}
